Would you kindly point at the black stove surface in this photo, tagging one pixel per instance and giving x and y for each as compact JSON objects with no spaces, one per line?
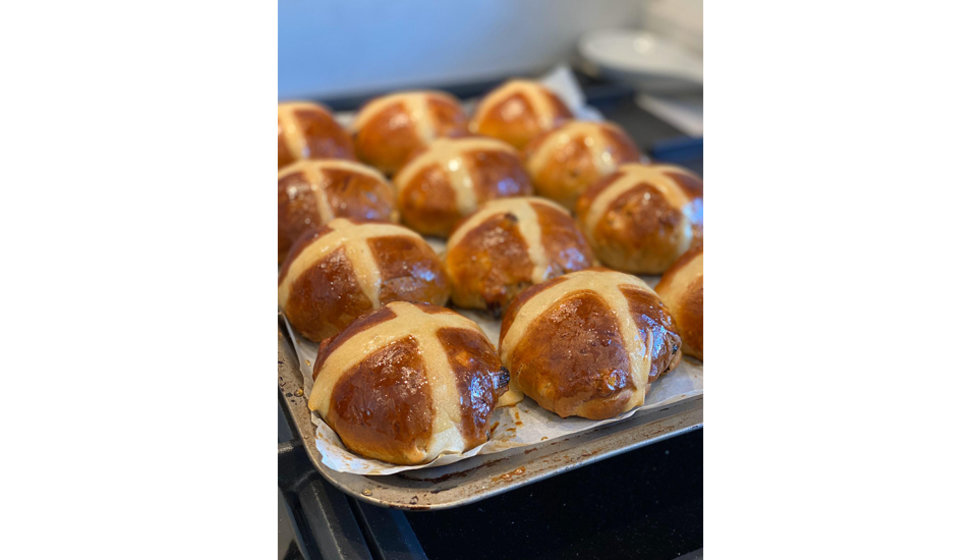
{"x":643,"y":504}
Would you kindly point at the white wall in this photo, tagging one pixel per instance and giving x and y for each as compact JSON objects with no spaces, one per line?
{"x":330,"y":48}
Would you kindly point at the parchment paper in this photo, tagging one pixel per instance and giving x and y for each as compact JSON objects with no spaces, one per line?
{"x":514,"y":426}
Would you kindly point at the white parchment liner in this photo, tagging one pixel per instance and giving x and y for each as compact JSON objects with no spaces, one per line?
{"x":515,"y":426}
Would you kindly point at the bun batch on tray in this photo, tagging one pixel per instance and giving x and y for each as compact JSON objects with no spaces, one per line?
{"x":400,"y":378}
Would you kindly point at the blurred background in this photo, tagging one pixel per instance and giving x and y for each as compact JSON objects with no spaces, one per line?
{"x":343,"y":52}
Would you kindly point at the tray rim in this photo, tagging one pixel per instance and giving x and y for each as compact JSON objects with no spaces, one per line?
{"x":492,"y":474}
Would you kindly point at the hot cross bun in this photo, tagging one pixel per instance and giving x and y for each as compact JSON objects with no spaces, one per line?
{"x":508,"y":245}
{"x":389,"y":129}
{"x":450,"y":178}
{"x":517,"y":111}
{"x":565,"y":160}
{"x":588,"y":343}
{"x":337,"y":273}
{"x":309,"y":131}
{"x":642,"y":217}
{"x":408,"y":383}
{"x":682,"y":289}
{"x":313,"y":192}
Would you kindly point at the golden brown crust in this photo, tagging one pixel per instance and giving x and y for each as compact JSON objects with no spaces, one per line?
{"x":323,"y":136}
{"x":363,"y":322}
{"x":448,"y":116}
{"x":389,"y":138}
{"x":691,"y":319}
{"x":520,"y":300}
{"x":682,"y":290}
{"x":329,"y":292}
{"x":682,"y":262}
{"x":490,"y":265}
{"x":410,"y":271}
{"x":490,"y":258}
{"x":356,"y":195}
{"x":326,"y":297}
{"x":514,"y":119}
{"x":433,"y":198}
{"x":572,"y":360}
{"x":564,"y":161}
{"x":480,"y":380}
{"x":498,"y":175}
{"x":655,"y":323}
{"x":427,"y":203}
{"x":564,"y":243}
{"x":314,"y":192}
{"x":387,"y":141}
{"x":585,"y":200}
{"x":645,"y":226}
{"x":285,"y":156}
{"x":297,"y":210}
{"x":302,"y":242}
{"x":690,"y":183}
{"x":575,"y":351}
{"x":408,"y":382}
{"x":653,"y":238}
{"x":382,"y":407}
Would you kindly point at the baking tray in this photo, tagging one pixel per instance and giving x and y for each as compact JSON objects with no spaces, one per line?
{"x":482,"y":476}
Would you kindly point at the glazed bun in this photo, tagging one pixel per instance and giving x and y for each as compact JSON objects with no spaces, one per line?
{"x":309,"y":131}
{"x":313,"y":192}
{"x":682,"y":289}
{"x":508,"y":245}
{"x":450,"y":178}
{"x":517,"y":111}
{"x":346,"y":268}
{"x":389,"y":129}
{"x":588,"y":343}
{"x":643,"y":217}
{"x":565,"y":160}
{"x":408,"y":383}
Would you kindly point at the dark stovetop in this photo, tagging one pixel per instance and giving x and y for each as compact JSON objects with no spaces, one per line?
{"x":644,"y":504}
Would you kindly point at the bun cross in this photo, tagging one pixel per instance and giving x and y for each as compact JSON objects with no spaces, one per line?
{"x":354,"y":238}
{"x":599,"y":283}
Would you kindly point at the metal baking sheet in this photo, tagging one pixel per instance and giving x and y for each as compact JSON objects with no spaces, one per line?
{"x":483,"y":476}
